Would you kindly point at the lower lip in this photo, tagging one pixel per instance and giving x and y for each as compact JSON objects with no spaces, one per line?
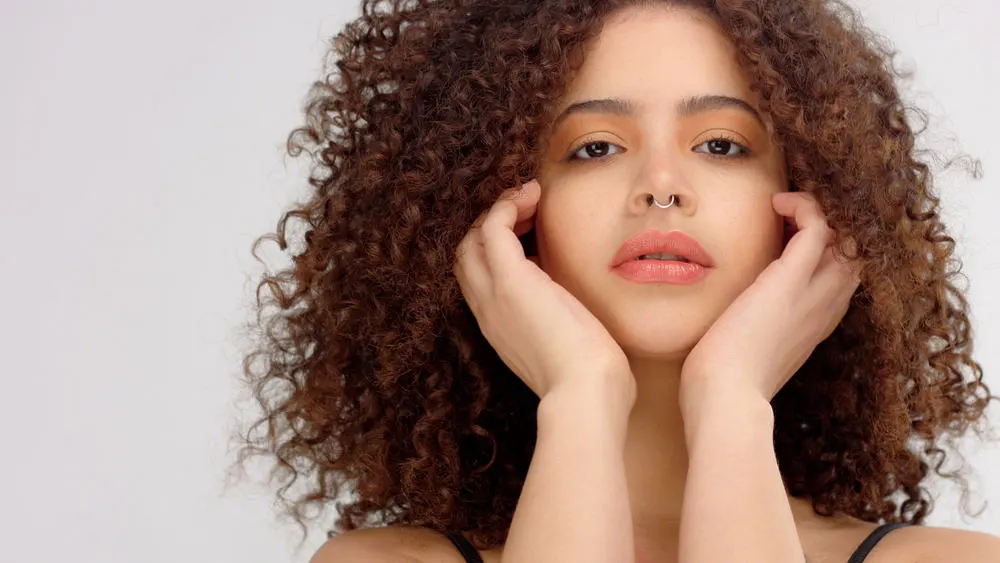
{"x":661,"y":271}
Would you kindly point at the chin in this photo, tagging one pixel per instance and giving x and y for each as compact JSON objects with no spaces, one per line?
{"x":667,"y":338}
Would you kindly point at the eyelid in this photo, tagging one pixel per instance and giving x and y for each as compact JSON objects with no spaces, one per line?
{"x":577,"y":147}
{"x":715,"y":135}
{"x":729,"y":137}
{"x":724,"y":133}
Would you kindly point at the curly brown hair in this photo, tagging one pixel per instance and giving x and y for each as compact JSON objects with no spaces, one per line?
{"x":372,"y":373}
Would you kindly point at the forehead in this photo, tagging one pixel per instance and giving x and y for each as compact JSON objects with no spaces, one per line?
{"x":658,"y":55}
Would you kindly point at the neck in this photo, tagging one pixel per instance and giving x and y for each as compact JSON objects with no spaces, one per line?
{"x":656,"y":456}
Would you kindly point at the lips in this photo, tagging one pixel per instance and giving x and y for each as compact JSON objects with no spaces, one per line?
{"x":652,"y":241}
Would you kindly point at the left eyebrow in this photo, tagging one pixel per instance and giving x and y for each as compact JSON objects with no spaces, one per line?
{"x":685,"y":108}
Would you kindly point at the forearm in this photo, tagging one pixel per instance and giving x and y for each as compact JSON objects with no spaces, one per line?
{"x":735,"y":504}
{"x":574,"y":505}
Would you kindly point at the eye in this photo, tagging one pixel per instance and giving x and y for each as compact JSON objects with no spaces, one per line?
{"x":723,"y":147}
{"x":593,"y":149}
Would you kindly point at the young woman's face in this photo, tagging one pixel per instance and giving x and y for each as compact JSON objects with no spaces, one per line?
{"x":601,"y":165}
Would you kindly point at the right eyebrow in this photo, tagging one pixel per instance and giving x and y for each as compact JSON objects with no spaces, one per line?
{"x":685,"y":108}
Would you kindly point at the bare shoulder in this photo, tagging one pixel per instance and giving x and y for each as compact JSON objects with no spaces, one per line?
{"x":835,"y":540}
{"x":932,"y":544}
{"x":391,"y":544}
{"x":378,"y":545}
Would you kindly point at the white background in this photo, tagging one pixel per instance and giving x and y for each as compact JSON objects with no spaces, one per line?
{"x":141,"y":151}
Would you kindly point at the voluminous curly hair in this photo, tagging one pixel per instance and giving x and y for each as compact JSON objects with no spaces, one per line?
{"x":372,"y":373}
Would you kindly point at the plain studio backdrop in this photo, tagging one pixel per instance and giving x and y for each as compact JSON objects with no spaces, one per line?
{"x":141,"y":152}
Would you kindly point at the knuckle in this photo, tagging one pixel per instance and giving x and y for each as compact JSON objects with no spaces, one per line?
{"x":811,"y":205}
{"x":492,"y":228}
{"x":487,"y":226}
{"x":498,"y":207}
{"x":472,"y":238}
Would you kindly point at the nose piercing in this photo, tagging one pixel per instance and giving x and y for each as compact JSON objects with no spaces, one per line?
{"x":652,"y":200}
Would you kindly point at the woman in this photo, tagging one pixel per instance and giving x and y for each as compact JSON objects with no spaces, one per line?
{"x":704,"y":331}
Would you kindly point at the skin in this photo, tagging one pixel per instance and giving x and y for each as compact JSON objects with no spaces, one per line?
{"x":657,"y":58}
{"x":654,"y":439}
{"x":662,"y":374}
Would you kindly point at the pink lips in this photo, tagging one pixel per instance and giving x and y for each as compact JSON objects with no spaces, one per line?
{"x":627,"y":263}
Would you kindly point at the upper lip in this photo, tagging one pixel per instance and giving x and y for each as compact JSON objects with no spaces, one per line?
{"x":651,"y":241}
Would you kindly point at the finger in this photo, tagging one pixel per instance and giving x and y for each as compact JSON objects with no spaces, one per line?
{"x":831,"y":294}
{"x":836,"y":280}
{"x":524,"y":226}
{"x":846,"y":261}
{"x":789,"y":232}
{"x":471,"y":266}
{"x":805,"y":249}
{"x":471,"y":270}
{"x":830,"y":272}
{"x":499,"y":239}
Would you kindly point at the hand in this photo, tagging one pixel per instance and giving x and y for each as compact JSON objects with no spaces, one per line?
{"x":539,"y":329}
{"x":770,"y":330}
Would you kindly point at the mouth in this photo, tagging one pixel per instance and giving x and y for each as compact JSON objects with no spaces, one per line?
{"x":671,"y":247}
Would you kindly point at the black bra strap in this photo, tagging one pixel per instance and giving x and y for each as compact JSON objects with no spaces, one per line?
{"x":464,"y":546}
{"x":470,"y":554}
{"x":872,"y":540}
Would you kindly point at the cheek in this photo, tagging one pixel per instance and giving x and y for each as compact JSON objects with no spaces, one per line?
{"x":756,"y":239}
{"x":568,"y":237}
{"x":553,"y":234}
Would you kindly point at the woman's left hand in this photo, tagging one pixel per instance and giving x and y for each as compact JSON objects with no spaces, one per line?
{"x":769,"y":331}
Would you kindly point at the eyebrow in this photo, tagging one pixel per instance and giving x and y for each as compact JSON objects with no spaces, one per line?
{"x":685,"y":107}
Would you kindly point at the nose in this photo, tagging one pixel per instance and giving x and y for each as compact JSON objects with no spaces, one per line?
{"x":662,"y":176}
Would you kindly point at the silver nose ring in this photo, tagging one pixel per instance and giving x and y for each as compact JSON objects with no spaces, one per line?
{"x":660,"y":205}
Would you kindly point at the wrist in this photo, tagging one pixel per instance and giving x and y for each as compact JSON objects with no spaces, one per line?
{"x":725,"y":407}
{"x":700,"y":390}
{"x":606,"y":400}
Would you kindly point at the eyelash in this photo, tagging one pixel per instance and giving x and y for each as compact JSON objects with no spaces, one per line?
{"x":745,"y":152}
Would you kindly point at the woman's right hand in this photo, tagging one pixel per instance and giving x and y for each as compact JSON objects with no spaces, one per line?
{"x":540,"y":330}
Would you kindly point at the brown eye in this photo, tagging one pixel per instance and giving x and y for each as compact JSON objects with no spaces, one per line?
{"x":594,"y":150}
{"x":724,"y":147}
